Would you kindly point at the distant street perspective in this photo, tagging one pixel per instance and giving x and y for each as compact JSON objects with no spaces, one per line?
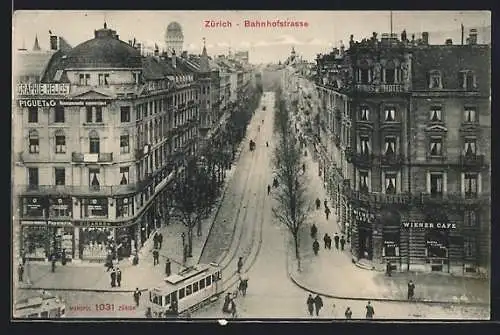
{"x":151,"y":180}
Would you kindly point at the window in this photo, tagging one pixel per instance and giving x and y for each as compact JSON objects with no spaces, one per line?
{"x":125,"y":113}
{"x":103,"y":79}
{"x":34,"y":142}
{"x":94,"y":178}
{"x":208,"y":280}
{"x":390,"y":76}
{"x":364,"y":76}
{"x":32,"y":114}
{"x":98,"y":114}
{"x":195,"y":287}
{"x":471,"y":184}
{"x":470,"y":246}
{"x":470,"y":115}
{"x":124,"y":175}
{"x":390,"y":114}
{"x":435,"y":79}
{"x":60,"y":176}
{"x":390,"y":146}
{"x":467,"y":80}
{"x":202,"y":284}
{"x":364,"y":145}
{"x":125,"y":206}
{"x":124,"y":144}
{"x":89,"y":114}
{"x":365,"y":114}
{"x":435,"y":114}
{"x":436,"y":184}
{"x":84,"y":79}
{"x":390,"y":183}
{"x":94,"y":142}
{"x":363,"y":181}
{"x":59,"y":114}
{"x":60,"y":144}
{"x":32,"y":177}
{"x":436,"y":146}
{"x":470,"y":218}
{"x":188,"y":290}
{"x":182,"y":293}
{"x":470,"y":146}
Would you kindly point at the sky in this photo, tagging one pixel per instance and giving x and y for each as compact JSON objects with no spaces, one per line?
{"x":324,"y":31}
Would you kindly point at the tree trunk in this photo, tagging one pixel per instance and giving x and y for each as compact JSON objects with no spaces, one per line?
{"x":297,"y":251}
{"x":198,"y":229}
{"x":190,"y":241}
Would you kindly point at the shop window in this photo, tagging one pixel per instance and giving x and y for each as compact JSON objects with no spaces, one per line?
{"x":470,"y":115}
{"x":125,"y":113}
{"x":390,"y":183}
{"x":33,"y":177}
{"x":470,"y":246}
{"x":96,"y":243}
{"x":437,"y":243}
{"x":470,"y":218}
{"x":94,"y":142}
{"x":365,"y":145}
{"x":436,"y":146}
{"x":60,"y":176}
{"x":363,"y":181}
{"x":94,"y":178}
{"x":59,"y":114}
{"x":34,"y":142}
{"x":390,"y":146}
{"x":364,"y":114}
{"x":124,"y":207}
{"x":33,"y":114}
{"x":33,"y":207}
{"x":389,"y":114}
{"x":435,"y":114}
{"x":84,"y":79}
{"x":103,"y":79}
{"x":95,"y":207}
{"x":435,"y":79}
{"x":471,"y":185}
{"x":436,"y":185}
{"x":124,"y":144}
{"x":391,"y":242}
{"x":60,"y":144}
{"x":60,"y":207}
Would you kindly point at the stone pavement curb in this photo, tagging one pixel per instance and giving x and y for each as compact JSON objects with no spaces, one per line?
{"x":79,"y":290}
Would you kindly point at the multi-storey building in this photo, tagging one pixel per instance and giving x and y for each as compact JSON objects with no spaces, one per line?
{"x":103,"y":135}
{"x":419,"y":189}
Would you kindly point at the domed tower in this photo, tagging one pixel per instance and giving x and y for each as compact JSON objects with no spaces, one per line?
{"x":174,"y":39}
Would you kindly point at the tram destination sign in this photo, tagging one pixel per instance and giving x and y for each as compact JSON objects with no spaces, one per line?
{"x":42,"y":89}
{"x":428,"y":225}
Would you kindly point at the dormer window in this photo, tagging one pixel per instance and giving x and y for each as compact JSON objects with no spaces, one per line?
{"x":84,"y":79}
{"x":467,"y":80}
{"x":103,"y":79}
{"x":435,"y":79}
{"x":136,"y":76}
{"x":435,"y":114}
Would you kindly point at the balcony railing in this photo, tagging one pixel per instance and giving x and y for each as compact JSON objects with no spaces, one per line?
{"x":380,"y":198}
{"x":78,"y":157}
{"x":444,"y":198}
{"x":391,"y":159}
{"x":361,"y":159}
{"x":471,"y":160}
{"x":381,"y":88}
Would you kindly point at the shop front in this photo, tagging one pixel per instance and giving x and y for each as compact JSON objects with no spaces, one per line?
{"x":60,"y":207}
{"x":436,"y":251}
{"x":34,"y":206}
{"x":391,"y":237}
{"x":363,"y":233}
{"x":95,"y":240}
{"x":41,"y":239}
{"x":126,"y":241}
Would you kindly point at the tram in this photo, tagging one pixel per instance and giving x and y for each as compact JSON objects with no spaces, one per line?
{"x":186,"y":291}
{"x":41,"y":305}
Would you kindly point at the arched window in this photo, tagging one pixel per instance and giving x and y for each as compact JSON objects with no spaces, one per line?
{"x":60,"y":140}
{"x":34,"y":142}
{"x":435,"y":79}
{"x":94,"y":142}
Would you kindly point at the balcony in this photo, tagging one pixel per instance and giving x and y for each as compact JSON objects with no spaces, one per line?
{"x":77,"y":157}
{"x":381,"y":88}
{"x":449,"y":198}
{"x":362,"y":160}
{"x":471,"y":160}
{"x":392,"y":159}
{"x":379,"y":198}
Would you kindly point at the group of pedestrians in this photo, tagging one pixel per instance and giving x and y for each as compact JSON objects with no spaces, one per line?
{"x":315,"y":304}
{"x":116,"y":277}
{"x":327,"y":209}
{"x":327,"y":240}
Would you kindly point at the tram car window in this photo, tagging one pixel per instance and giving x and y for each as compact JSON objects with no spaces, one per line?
{"x":195,"y":287}
{"x":188,"y":290}
{"x":181,"y":293}
{"x":202,"y":284}
{"x":209,"y":280}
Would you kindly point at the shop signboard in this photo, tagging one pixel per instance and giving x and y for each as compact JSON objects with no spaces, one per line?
{"x":429,"y":225}
{"x":34,"y":223}
{"x":82,"y":103}
{"x":42,"y":89}
{"x":34,"y":203}
{"x":59,"y":223}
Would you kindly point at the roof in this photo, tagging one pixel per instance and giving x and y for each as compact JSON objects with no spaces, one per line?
{"x":174,"y":27}
{"x":31,"y":63}
{"x":56,"y":63}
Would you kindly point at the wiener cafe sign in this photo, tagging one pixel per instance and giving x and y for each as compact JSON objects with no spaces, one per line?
{"x":429,"y":225}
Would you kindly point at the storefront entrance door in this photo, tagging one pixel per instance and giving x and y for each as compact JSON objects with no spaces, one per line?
{"x":365,"y":243}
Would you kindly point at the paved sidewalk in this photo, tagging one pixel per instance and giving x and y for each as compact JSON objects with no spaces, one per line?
{"x":93,"y":276}
{"x":332,"y":273}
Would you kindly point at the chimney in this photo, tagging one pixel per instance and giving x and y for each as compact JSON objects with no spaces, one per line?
{"x":425,"y":38}
{"x":174,"y":59}
{"x":53,"y":42}
{"x":473,"y":36}
{"x":448,"y":41}
{"x":184,"y":54}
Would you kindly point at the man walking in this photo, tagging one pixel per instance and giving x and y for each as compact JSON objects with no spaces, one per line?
{"x":325,"y":240}
{"x":318,"y":303}
{"x":325,"y":203}
{"x":160,"y":239}
{"x":268,"y":189}
{"x":327,"y":212}
{"x":411,"y":290}
{"x":156,"y":256}
{"x":113,"y":277}
{"x":369,"y":311}
{"x":318,"y":203}
{"x":240,"y":264}
{"x":119,"y":277}
{"x":137,"y":296}
{"x":342,"y":243}
{"x":336,"y":239}
{"x":329,"y":242}
{"x":20,"y":272}
{"x":310,"y":304}
{"x":348,"y":313}
{"x":168,"y":268}
{"x":155,"y":240}
{"x":316,"y":247}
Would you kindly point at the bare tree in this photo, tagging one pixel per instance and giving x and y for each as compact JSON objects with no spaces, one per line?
{"x":191,"y":198}
{"x":291,"y":209}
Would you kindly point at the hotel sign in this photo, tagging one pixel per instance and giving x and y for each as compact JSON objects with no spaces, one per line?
{"x":42,"y":89}
{"x":429,"y":225}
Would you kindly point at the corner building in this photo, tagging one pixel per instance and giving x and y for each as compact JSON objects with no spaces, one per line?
{"x":98,"y":162}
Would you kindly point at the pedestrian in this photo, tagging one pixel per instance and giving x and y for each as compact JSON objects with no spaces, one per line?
{"x":318,"y":304}
{"x":113,"y":277}
{"x":63,"y":257}
{"x":109,"y":262}
{"x":348,"y":313}
{"x":168,"y":268}
{"x":245,"y":286}
{"x":304,"y":167}
{"x":156,"y":256}
{"x":240,"y":264}
{"x":325,"y":203}
{"x":310,"y":304}
{"x":24,"y":257}
{"x":119,"y":277}
{"x":160,"y":239}
{"x":233,"y":308}
{"x":388,"y":269}
{"x":267,"y":144}
{"x":342,"y":243}
{"x":318,"y":203}
{"x":268,"y":189}
{"x":148,"y":313}
{"x":316,"y":247}
{"x":20,"y":272}
{"x":314,"y":230}
{"x":327,"y":212}
{"x":155,"y":241}
{"x":334,"y":311}
{"x":370,"y":312}
{"x":227,"y":302}
{"x":336,"y":239}
{"x":411,"y":290}
{"x":137,"y":296}
{"x":329,"y":243}
{"x":53,"y":262}
{"x":325,"y":239}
